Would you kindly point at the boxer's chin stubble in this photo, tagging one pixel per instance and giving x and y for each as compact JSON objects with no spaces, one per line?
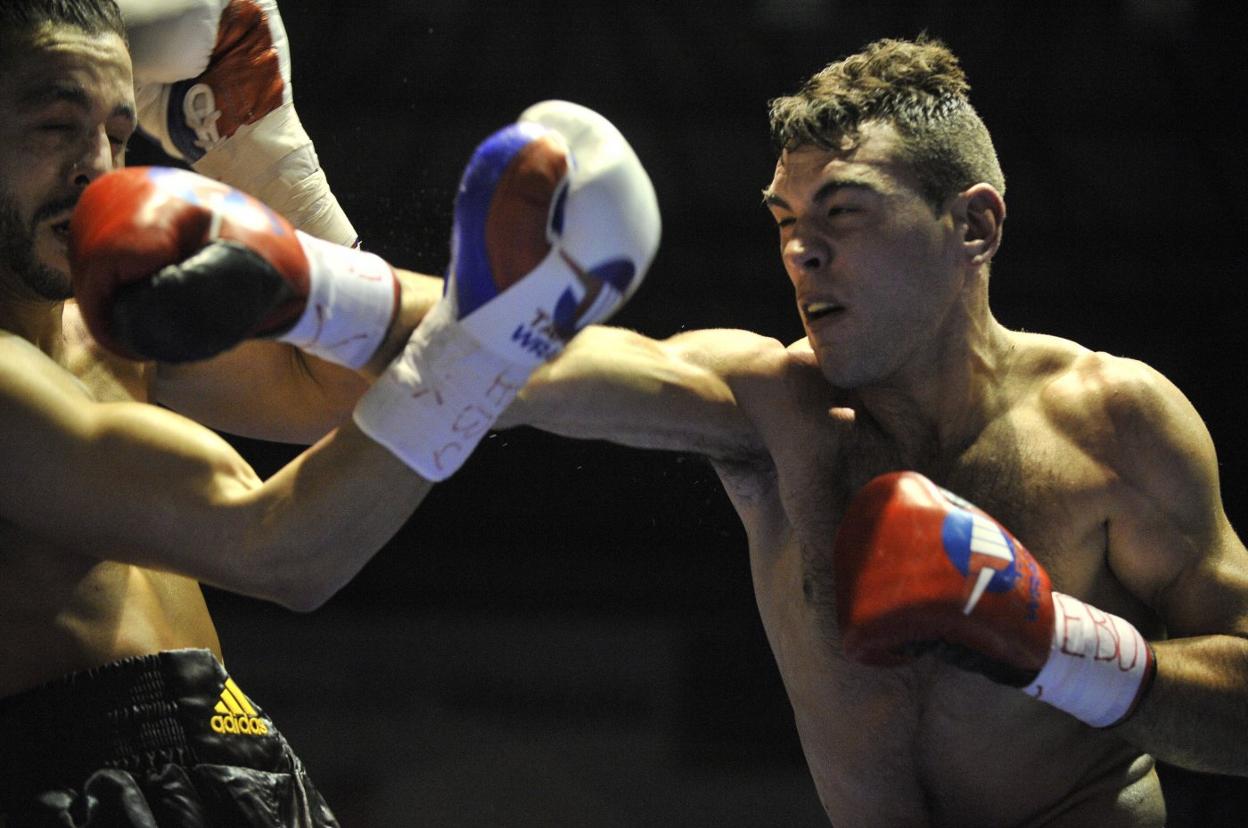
{"x":19,"y":254}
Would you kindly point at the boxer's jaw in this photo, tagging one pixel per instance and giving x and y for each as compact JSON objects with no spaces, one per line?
{"x":34,"y":252}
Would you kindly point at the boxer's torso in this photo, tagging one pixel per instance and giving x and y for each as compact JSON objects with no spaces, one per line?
{"x":928,"y":743}
{"x":63,"y":610}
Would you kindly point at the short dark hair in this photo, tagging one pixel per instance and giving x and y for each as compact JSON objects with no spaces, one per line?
{"x":916,"y":86}
{"x":20,"y":20}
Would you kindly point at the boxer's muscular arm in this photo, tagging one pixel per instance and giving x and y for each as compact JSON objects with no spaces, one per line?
{"x":273,"y":391}
{"x":614,"y":384}
{"x":1171,"y":544}
{"x":148,"y":487}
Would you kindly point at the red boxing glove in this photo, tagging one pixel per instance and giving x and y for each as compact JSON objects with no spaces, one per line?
{"x":172,"y":266}
{"x":918,"y":568}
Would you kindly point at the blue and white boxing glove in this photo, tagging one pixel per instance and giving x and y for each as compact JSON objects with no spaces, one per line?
{"x":212,"y":84}
{"x":556,"y":223}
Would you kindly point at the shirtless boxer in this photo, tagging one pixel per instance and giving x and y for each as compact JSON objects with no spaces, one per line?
{"x":116,"y":500}
{"x":888,"y":198}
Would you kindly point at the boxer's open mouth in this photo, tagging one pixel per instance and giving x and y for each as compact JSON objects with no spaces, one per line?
{"x":818,"y":310}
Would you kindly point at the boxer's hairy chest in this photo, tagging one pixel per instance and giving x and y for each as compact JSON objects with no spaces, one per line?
{"x":1022,"y":468}
{"x":896,"y":743}
{"x":104,"y":377}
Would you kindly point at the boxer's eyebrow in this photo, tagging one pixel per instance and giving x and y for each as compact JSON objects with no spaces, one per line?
{"x":54,"y":92}
{"x":829,"y":189}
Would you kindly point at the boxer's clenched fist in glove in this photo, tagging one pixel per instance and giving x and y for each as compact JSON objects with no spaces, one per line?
{"x":919,"y":569}
{"x":556,"y":223}
{"x":171,"y":266}
{"x":212,"y":84}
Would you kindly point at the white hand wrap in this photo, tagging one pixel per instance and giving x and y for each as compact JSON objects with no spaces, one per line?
{"x":435,"y":402}
{"x":1099,"y":665}
{"x":352,"y":296}
{"x":272,"y":157}
{"x":274,"y":160}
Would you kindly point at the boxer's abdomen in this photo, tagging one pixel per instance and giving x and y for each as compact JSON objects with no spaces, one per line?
{"x":928,"y":744}
{"x":66,"y":613}
{"x":858,"y":725}
{"x":994,"y":756}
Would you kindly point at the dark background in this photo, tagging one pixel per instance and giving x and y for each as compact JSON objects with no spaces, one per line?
{"x":565,"y":633}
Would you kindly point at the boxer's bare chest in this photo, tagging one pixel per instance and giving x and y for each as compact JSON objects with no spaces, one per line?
{"x":886,"y":746}
{"x":66,"y":609}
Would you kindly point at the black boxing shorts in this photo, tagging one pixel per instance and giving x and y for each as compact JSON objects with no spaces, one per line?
{"x":158,"y":740}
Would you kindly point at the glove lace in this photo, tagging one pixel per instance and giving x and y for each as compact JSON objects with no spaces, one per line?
{"x":200,"y":109}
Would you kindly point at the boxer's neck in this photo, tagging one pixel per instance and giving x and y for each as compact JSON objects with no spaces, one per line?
{"x":36,"y":321}
{"x":937,"y":407}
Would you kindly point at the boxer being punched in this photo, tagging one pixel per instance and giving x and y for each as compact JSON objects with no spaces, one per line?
{"x":888,"y":198}
{"x":116,"y":500}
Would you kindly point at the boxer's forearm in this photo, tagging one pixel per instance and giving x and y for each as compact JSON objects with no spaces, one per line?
{"x":613,"y":384}
{"x":308,"y":529}
{"x":295,"y":538}
{"x":1195,"y":714}
{"x":419,"y":294}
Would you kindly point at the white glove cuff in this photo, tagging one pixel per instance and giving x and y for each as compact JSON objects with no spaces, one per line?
{"x":1099,"y":665}
{"x":274,"y":160}
{"x":435,"y":402}
{"x":352,"y":296}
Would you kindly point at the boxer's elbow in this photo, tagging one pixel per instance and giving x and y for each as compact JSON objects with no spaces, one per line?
{"x":281,"y":564}
{"x":249,"y":543}
{"x":291,"y":578}
{"x":300,"y":596}
{"x":299,"y":536}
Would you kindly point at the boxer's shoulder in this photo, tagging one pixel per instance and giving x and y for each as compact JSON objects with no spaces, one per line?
{"x":743,"y":359}
{"x":1152,"y":458}
{"x":24,"y":370}
{"x":83,"y":369}
{"x":778,"y":388}
{"x":1120,"y":408}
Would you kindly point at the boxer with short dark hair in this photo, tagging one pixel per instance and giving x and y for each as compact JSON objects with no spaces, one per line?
{"x":116,"y":498}
{"x":1063,"y":671}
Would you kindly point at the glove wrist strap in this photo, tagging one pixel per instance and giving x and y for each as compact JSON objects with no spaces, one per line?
{"x":352,"y":297}
{"x":1099,"y":665}
{"x":435,"y":402}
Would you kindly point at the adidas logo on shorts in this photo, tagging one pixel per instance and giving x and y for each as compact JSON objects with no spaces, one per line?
{"x":235,"y":713}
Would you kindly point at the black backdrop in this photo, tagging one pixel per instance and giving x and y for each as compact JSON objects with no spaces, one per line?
{"x":564,"y":633}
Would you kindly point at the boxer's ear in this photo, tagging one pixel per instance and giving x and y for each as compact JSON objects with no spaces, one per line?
{"x":980,"y":213}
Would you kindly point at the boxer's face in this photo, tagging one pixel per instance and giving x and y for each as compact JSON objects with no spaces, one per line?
{"x":66,"y":113}
{"x":874,"y":270}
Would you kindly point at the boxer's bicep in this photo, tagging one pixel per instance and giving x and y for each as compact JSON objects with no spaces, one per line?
{"x":614,"y":384}
{"x":1210,"y":594}
{"x":1171,"y":544}
{"x":261,"y":389}
{"x":1188,"y":566}
{"x":121,"y":480}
